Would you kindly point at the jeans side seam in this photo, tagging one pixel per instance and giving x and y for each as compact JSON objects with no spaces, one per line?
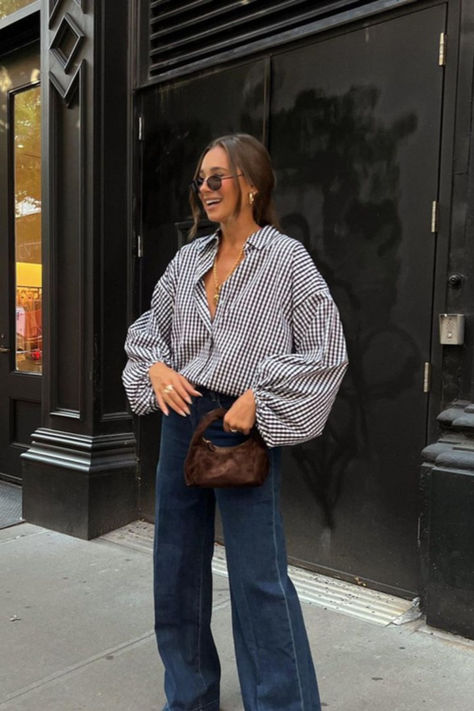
{"x":284,"y":596}
{"x":253,"y":652}
{"x":200,"y":622}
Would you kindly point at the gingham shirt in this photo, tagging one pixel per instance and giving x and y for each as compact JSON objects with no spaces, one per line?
{"x":276,"y":330}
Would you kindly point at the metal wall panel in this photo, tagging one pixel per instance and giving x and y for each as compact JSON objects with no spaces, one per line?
{"x":176,"y":40}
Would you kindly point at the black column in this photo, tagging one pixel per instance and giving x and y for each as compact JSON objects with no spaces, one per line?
{"x":447,"y":478}
{"x":80,"y":472}
{"x":447,"y":523}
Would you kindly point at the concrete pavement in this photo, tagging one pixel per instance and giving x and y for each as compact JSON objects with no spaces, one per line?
{"x":76,"y":633}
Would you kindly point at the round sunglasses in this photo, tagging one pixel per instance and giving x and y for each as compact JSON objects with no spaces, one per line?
{"x":214,"y":182}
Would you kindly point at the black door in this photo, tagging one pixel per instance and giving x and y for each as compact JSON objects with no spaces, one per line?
{"x":353,"y":125}
{"x":20,"y":255}
{"x":355,"y":136}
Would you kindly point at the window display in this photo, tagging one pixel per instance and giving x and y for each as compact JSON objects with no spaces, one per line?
{"x":27,"y":164}
{"x":9,"y":6}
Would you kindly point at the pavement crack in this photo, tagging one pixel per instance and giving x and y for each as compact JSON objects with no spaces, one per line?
{"x":116,"y":650}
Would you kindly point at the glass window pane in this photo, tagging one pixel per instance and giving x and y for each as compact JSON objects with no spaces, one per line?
{"x":9,"y":6}
{"x":27,"y":195}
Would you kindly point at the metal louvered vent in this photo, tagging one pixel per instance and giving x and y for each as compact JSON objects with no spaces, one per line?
{"x":195,"y":32}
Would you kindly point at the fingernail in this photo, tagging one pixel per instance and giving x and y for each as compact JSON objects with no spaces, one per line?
{"x":188,"y":400}
{"x":183,"y":414}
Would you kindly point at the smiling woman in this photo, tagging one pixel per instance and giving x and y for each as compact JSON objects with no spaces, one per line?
{"x":221,"y":193}
{"x":240,"y":156}
{"x":241,"y":320}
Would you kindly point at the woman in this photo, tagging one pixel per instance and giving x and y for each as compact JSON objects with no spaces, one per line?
{"x":240,"y":319}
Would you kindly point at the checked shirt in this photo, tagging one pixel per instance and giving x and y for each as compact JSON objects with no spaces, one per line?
{"x":276,"y":330}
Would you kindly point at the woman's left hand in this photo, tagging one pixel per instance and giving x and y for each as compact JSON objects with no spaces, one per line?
{"x":241,"y":416}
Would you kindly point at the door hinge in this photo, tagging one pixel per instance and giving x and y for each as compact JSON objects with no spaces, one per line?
{"x":443,"y":39}
{"x":427,"y":378}
{"x":434,"y":216}
{"x":140,"y":127}
{"x":139,"y":246}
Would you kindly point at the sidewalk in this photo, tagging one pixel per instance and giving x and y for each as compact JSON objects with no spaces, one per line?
{"x":76,"y":633}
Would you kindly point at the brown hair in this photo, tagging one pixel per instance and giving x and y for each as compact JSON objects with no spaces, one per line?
{"x":250,"y":157}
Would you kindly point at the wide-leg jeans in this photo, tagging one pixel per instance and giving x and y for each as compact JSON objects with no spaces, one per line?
{"x":274,"y":662}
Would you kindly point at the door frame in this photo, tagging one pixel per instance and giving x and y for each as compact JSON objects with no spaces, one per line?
{"x":28,"y":386}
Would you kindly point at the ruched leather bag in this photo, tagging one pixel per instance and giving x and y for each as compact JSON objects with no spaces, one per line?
{"x":210,"y":466}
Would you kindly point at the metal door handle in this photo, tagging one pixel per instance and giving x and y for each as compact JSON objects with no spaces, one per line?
{"x":4,"y":350}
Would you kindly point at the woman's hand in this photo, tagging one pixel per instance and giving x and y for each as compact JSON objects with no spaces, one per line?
{"x":241,"y":416}
{"x":171,"y":389}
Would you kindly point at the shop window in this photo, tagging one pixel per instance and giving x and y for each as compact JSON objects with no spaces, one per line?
{"x":27,"y":211}
{"x":9,"y":6}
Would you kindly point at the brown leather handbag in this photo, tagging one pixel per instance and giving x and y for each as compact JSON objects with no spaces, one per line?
{"x":208,"y":465}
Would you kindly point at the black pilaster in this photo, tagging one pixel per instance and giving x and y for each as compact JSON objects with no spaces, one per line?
{"x":447,"y":524}
{"x":80,"y":472}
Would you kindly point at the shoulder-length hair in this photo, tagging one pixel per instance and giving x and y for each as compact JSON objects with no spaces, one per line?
{"x":249,"y":157}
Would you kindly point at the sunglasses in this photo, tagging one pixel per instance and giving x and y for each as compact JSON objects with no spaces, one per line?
{"x":214,"y":182}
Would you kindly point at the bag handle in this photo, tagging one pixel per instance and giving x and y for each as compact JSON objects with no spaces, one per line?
{"x":207,"y":420}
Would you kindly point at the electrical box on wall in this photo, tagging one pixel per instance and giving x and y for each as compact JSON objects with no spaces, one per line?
{"x":451,"y":329}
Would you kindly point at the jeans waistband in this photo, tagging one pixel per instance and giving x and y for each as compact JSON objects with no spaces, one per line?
{"x":221,"y":399}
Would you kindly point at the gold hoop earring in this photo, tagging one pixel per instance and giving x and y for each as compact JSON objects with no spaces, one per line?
{"x":251,"y":198}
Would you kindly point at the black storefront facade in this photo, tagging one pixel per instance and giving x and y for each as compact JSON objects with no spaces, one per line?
{"x":366,"y":108}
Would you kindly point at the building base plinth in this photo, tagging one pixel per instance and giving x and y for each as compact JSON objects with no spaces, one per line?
{"x":80,"y":485}
{"x":447,"y":524}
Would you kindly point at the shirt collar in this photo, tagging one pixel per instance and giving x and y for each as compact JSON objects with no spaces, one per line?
{"x":257,"y":239}
{"x":261,"y":237}
{"x":203,"y":242}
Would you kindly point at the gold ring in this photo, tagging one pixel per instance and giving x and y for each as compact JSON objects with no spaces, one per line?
{"x":168,"y":388}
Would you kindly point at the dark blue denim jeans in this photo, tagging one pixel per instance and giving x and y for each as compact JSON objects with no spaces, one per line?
{"x":274,"y":662}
